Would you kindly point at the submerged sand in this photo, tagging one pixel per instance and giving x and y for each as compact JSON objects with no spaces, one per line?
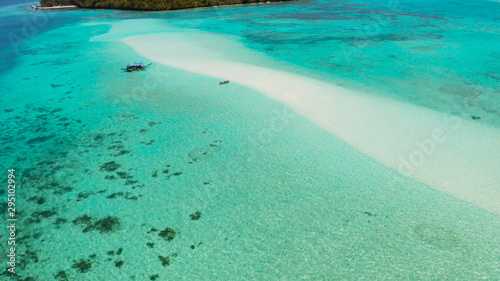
{"x":453,"y":155}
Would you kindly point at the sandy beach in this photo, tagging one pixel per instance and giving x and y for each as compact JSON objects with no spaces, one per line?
{"x":58,"y":7}
{"x":450,"y":154}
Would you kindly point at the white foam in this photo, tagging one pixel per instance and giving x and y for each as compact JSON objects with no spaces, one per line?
{"x":456,"y":156}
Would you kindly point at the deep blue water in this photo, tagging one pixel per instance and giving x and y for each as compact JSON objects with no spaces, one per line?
{"x":6,"y":3}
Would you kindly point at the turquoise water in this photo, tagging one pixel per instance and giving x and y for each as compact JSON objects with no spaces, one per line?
{"x":108,"y":160}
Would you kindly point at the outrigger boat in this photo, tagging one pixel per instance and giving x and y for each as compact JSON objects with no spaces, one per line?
{"x":224,"y":82}
{"x":136,"y":66}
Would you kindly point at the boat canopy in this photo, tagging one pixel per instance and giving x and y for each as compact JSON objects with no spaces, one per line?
{"x":136,"y":64}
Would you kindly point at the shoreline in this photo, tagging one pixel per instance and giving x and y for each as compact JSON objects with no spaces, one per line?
{"x":447,"y":153}
{"x":168,"y":10}
{"x":59,"y":7}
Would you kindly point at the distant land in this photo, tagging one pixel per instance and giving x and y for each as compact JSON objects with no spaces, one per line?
{"x":149,"y":5}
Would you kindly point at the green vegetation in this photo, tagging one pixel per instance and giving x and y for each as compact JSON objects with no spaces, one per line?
{"x":50,"y":3}
{"x":153,"y":5}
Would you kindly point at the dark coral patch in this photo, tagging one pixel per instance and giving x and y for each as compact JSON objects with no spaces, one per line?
{"x":152,"y":230}
{"x":99,"y":137}
{"x":106,"y":225}
{"x":82,"y":265}
{"x":370,"y":214}
{"x":60,"y":221}
{"x":114,"y":195}
{"x":125,"y":195}
{"x":195,"y":216}
{"x":121,"y":152}
{"x":119,"y":264}
{"x":168,"y":234}
{"x":36,"y":217}
{"x":56,"y":187}
{"x":130,"y":182}
{"x":139,"y":185}
{"x":82,"y":220}
{"x":83,"y":195}
{"x":124,"y":175}
{"x":133,"y":198}
{"x":174,"y":174}
{"x":61,"y":276}
{"x":110,"y":166}
{"x":164,"y":260}
{"x":116,"y":146}
{"x":46,"y":214}
{"x":150,"y":142}
{"x":28,"y":257}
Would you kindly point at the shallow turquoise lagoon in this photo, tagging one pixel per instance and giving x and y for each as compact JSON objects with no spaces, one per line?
{"x":128,"y":176}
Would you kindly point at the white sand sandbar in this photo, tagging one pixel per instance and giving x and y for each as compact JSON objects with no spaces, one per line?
{"x":456,"y":156}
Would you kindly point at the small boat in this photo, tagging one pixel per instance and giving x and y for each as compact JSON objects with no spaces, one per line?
{"x":224,"y":82}
{"x":136,"y":66}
